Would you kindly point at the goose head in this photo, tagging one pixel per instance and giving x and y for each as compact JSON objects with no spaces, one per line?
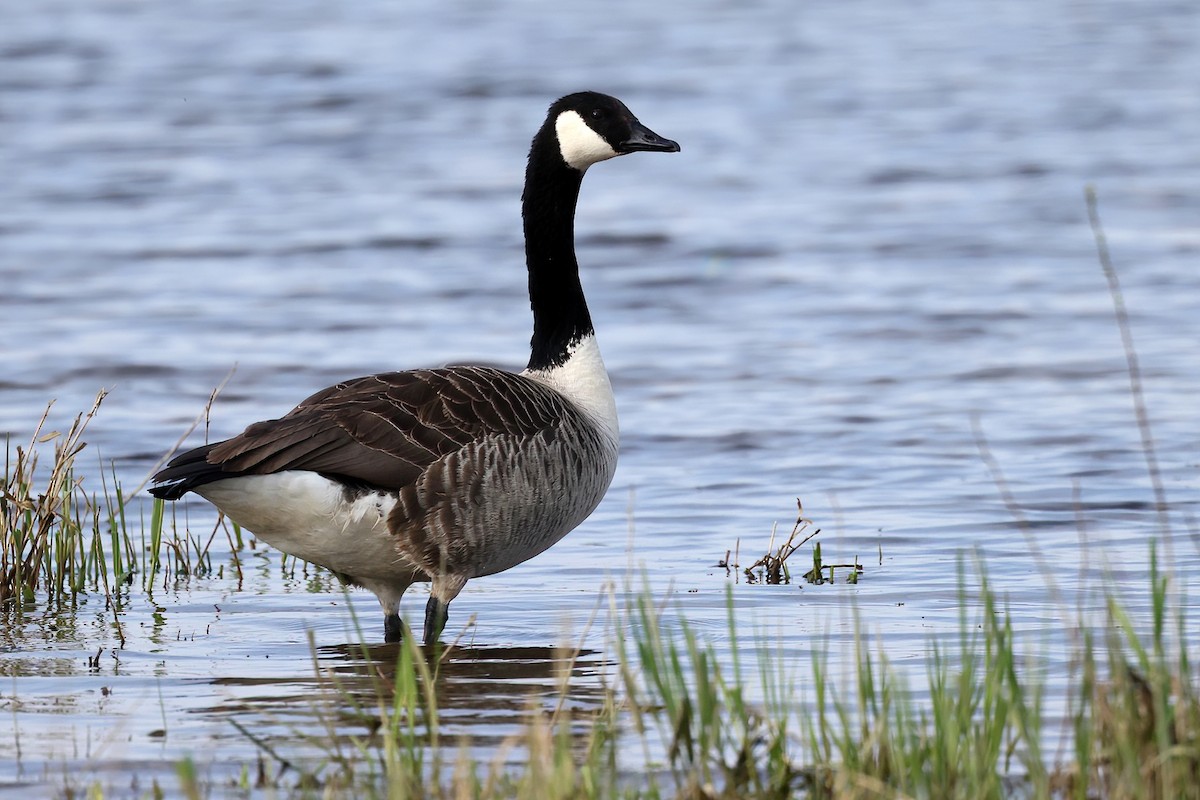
{"x":591,"y":127}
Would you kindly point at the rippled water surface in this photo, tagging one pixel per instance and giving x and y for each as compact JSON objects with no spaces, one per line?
{"x":874,"y":234}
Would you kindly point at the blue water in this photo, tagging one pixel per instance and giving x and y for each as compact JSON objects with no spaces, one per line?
{"x":875,"y":234}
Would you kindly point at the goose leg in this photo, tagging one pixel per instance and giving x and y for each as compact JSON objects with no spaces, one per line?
{"x":436,"y":614}
{"x":389,"y":594}
{"x":392,"y":628}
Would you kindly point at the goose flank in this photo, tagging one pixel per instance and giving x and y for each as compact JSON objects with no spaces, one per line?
{"x":452,"y":473}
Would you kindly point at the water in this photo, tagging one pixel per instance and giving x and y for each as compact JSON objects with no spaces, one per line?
{"x":875,"y":233}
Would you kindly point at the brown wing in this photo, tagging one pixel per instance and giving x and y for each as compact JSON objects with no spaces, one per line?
{"x":381,"y":431}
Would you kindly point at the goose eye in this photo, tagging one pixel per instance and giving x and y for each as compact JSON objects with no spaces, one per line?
{"x":596,"y":113}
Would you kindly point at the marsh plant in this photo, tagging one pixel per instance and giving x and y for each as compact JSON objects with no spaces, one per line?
{"x":61,"y":538}
{"x":47,"y":516}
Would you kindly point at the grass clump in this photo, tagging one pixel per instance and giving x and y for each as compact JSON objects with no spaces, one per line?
{"x":44,"y":516}
{"x":59,"y":541}
{"x":975,"y":731}
{"x":1137,"y":731}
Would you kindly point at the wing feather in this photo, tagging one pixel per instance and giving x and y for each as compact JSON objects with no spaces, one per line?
{"x":381,"y":431}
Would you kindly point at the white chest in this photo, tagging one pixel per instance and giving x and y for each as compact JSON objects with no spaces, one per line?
{"x":584,"y":381}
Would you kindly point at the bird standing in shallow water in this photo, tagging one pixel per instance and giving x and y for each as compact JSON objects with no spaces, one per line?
{"x":447,"y":474}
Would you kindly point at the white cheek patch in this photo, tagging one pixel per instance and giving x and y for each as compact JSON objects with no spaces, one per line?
{"x":580,"y":145}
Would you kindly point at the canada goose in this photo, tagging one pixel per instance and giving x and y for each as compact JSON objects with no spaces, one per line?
{"x":447,"y":474}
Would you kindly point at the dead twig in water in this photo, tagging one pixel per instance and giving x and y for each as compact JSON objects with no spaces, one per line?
{"x":772,"y":567}
{"x":774,"y":564}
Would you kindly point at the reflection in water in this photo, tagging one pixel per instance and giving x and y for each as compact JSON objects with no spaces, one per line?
{"x":485,"y":694}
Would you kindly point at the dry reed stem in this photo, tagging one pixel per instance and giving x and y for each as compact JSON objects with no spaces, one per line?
{"x":30,"y":520}
{"x":773,"y":562}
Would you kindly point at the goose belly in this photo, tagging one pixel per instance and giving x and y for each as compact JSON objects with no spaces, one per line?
{"x":313,"y":518}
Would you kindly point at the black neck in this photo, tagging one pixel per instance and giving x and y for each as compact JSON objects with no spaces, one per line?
{"x":560,"y":313}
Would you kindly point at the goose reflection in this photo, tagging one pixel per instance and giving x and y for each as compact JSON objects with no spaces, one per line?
{"x":484,"y":694}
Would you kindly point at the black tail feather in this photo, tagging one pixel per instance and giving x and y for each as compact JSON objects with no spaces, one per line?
{"x":185,"y":472}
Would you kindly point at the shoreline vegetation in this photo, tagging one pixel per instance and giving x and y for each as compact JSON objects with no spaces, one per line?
{"x":976,"y":729}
